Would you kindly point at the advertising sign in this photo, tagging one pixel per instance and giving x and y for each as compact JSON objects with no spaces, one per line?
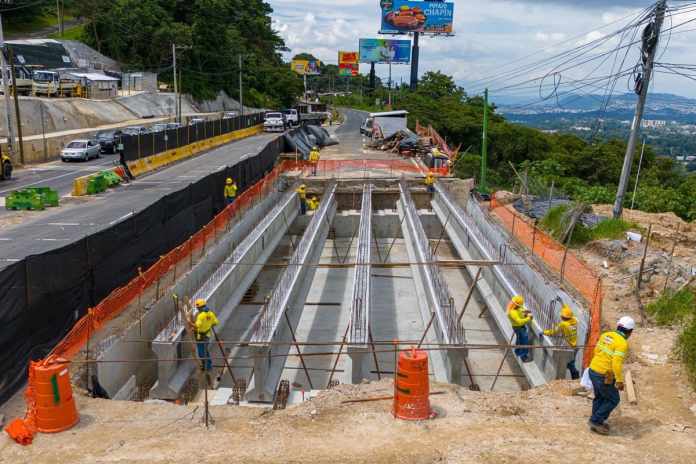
{"x":348,"y":69}
{"x":385,"y":51}
{"x":428,"y":16}
{"x":306,"y":67}
{"x":347,"y":57}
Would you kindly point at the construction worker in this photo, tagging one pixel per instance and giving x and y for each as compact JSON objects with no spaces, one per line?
{"x":520,"y":317}
{"x":314,"y":159}
{"x":205,"y":321}
{"x":313,"y":203}
{"x":606,"y":373}
{"x":230,"y":191}
{"x":568,"y":328}
{"x":302,"y":193}
{"x":430,"y":182}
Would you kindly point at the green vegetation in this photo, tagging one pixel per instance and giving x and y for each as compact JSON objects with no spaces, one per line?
{"x":74,"y":33}
{"x":586,"y":172}
{"x":612,"y":229}
{"x":673,"y":307}
{"x":686,"y":349}
{"x":556,"y":222}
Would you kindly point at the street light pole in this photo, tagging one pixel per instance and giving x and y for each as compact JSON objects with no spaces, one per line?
{"x":176,"y":86}
{"x":241,"y":87}
{"x":6,"y":90}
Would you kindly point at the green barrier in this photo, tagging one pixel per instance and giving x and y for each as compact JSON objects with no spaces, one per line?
{"x":97,"y":184}
{"x":112,"y":179}
{"x":23,"y":199}
{"x":48,"y":195}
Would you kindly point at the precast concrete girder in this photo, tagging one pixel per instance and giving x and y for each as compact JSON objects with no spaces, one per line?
{"x":288,"y":297}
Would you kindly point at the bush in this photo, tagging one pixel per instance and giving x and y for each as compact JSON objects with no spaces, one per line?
{"x":686,"y":349}
{"x":554,"y":223}
{"x":673,"y":307}
{"x":611,"y":229}
{"x":468,"y":166}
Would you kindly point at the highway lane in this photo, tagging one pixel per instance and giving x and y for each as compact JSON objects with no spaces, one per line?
{"x":83,"y":216}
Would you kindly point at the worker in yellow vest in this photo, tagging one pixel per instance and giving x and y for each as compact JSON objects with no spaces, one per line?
{"x":430,"y":182}
{"x":568,"y":329}
{"x":606,"y":373}
{"x":302,"y":193}
{"x":313,"y":203}
{"x":520,"y":317}
{"x":205,"y":321}
{"x":230,"y":191}
{"x":314,"y":159}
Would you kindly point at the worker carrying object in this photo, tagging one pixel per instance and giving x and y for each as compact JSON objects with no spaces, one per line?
{"x":606,"y":373}
{"x":302,"y":193}
{"x":313,"y":203}
{"x":568,"y":328}
{"x":230,"y":191}
{"x":430,"y":182}
{"x":314,"y":159}
{"x":520,"y":317}
{"x":205,"y":321}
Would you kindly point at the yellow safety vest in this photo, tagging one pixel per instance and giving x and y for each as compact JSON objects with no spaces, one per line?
{"x":569,"y":330}
{"x":302,"y":193}
{"x":205,"y":321}
{"x":609,"y":355}
{"x":516,"y":316}
{"x":230,"y":190}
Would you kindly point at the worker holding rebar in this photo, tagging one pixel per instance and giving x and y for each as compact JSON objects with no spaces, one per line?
{"x":314,"y":159}
{"x":606,"y":373}
{"x":205,"y":321}
{"x":302,"y":193}
{"x":230,"y":191}
{"x":568,"y":329}
{"x":430,"y":182}
{"x":313,"y":203}
{"x":520,"y":317}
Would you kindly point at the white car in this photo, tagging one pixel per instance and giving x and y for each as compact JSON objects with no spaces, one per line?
{"x":274,"y":122}
{"x":80,"y":150}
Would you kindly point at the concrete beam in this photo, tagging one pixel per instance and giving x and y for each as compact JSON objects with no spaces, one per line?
{"x":288,"y":297}
{"x":434,"y":297}
{"x":358,"y":336}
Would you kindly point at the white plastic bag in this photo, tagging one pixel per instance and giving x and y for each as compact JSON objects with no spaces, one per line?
{"x":585,"y":381}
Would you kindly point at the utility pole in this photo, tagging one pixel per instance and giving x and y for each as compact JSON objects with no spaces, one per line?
{"x":16,"y":104}
{"x":372,"y":77}
{"x":651,"y":38}
{"x":390,"y":84}
{"x":483,"y":184}
{"x":6,"y":90}
{"x":414,"y":61}
{"x":241,"y":88}
{"x":176,"y":86}
{"x":60,"y":14}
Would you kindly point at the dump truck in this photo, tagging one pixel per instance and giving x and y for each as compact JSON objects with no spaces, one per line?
{"x":52,"y":84}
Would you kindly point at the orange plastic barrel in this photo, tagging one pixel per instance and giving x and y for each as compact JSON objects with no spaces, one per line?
{"x":412,"y":392}
{"x":55,"y":406}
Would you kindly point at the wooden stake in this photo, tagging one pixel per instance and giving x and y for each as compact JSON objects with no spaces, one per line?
{"x":630,"y":387}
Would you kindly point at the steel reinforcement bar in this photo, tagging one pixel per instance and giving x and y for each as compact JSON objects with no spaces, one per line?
{"x":360,"y":303}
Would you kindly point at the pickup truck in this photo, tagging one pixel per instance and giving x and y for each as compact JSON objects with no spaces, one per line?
{"x":292,"y":117}
{"x":274,"y":122}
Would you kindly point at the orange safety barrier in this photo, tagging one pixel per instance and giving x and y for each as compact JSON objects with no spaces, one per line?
{"x":412,"y":386}
{"x":391,"y":167}
{"x":560,"y":259}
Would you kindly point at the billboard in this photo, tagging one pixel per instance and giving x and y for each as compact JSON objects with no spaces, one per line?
{"x":306,"y":67}
{"x":348,"y":64}
{"x":385,"y":51}
{"x":428,"y":16}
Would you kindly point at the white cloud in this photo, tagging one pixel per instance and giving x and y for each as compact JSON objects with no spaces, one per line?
{"x":549,"y":36}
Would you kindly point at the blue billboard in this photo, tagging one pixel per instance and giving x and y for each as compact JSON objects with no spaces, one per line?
{"x":427,"y":16}
{"x":385,"y":51}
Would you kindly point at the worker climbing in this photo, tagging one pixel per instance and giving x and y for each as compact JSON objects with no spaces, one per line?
{"x":313,"y":203}
{"x":230,"y":191}
{"x":520,"y":317}
{"x":205,"y":321}
{"x":568,"y":328}
{"x":314,"y":159}
{"x":430,"y":182}
{"x":606,"y":373}
{"x":302,"y":193}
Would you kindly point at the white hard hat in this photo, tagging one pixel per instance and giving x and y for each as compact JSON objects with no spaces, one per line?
{"x":627,"y":323}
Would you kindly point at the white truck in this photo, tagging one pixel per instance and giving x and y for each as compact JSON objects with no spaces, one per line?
{"x":52,"y":84}
{"x":292,"y":117}
{"x":274,"y":122}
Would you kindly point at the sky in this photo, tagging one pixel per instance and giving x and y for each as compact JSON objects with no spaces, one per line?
{"x":490,"y":34}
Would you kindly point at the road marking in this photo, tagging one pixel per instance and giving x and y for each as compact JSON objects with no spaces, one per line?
{"x":61,"y":224}
{"x":6,"y":239}
{"x":125,"y":216}
{"x":53,"y":239}
{"x":49,"y":179}
{"x":10,"y":260}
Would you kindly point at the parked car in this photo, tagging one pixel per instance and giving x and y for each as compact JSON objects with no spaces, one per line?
{"x":108,"y":140}
{"x":292,"y":117}
{"x":161,"y":127}
{"x":230,"y":115}
{"x":274,"y":122}
{"x":80,"y":150}
{"x":194,"y":121}
{"x":135,"y":130}
{"x":173,"y":125}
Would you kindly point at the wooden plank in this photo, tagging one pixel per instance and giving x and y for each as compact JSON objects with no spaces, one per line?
{"x":630,"y":388}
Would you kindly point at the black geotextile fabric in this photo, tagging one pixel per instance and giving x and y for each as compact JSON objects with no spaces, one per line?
{"x":43,"y":295}
{"x":140,"y":146}
{"x":303,"y":138}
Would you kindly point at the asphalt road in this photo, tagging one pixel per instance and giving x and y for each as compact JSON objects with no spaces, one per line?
{"x":78,"y":217}
{"x":348,"y":133}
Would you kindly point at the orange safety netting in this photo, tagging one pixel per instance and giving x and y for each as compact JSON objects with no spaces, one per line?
{"x":571,"y":269}
{"x":389,"y":167}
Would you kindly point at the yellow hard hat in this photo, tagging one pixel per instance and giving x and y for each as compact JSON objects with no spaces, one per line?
{"x":518,"y":300}
{"x":303,"y":186}
{"x":228,"y":181}
{"x":566,"y":312}
{"x":200,"y":303}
